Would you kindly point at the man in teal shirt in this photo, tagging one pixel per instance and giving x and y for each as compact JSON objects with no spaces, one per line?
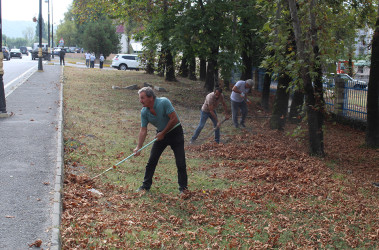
{"x":161,"y":113}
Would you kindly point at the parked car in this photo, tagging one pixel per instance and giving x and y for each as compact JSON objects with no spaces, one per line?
{"x":6,"y":53}
{"x":16,"y":53}
{"x":357,"y":84}
{"x":56,"y":51}
{"x":126,"y":61}
{"x":29,"y":49}
{"x":24,"y":50}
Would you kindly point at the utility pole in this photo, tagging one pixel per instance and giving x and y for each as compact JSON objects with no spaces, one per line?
{"x":40,"y":68}
{"x":3,"y":106}
{"x":52,"y":28}
{"x":48,"y":29}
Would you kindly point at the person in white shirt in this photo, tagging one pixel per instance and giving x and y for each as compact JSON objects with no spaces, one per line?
{"x":101,"y":61}
{"x":87,"y":56}
{"x":92,"y":60}
{"x":238,"y":99}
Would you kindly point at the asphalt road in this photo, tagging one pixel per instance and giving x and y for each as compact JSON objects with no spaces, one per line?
{"x":17,"y":71}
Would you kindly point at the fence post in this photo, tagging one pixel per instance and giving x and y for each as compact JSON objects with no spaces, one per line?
{"x":340,"y":94}
{"x":256,"y":78}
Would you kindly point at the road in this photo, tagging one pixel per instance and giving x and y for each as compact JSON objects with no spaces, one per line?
{"x":17,"y":71}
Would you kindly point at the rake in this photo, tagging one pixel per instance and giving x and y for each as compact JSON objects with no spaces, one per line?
{"x":115,"y":166}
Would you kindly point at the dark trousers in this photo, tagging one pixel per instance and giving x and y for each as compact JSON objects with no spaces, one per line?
{"x":92,"y":63}
{"x":175,"y":140}
{"x":101,"y":64}
{"x":239,"y":106}
{"x":61,"y":59}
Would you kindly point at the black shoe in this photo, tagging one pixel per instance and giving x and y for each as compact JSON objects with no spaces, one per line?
{"x":142,"y":189}
{"x":376,"y":184}
{"x":243,"y":125}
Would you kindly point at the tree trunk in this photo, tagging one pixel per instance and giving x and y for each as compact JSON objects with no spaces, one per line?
{"x":247,"y":66}
{"x":266,"y":92}
{"x":280,"y":108}
{"x":150,"y":62}
{"x":170,"y":67}
{"x":319,"y":107}
{"x":161,"y":64}
{"x":296,"y":106}
{"x":315,"y":140}
{"x":210,"y":78}
{"x":183,"y":71}
{"x":372,"y":131}
{"x":192,"y":69}
{"x":212,"y":72}
{"x":247,"y":48}
{"x":203,"y":69}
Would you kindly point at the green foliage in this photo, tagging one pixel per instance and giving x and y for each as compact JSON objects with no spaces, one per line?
{"x":100,"y":37}
{"x":15,"y":42}
{"x":44,"y":29}
{"x":68,"y":31}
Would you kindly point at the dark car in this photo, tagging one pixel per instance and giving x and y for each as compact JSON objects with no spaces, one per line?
{"x":16,"y":53}
{"x":6,"y":54}
{"x":24,"y":50}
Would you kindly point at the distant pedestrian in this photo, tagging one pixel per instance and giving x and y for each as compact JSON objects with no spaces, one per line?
{"x":238,"y":99}
{"x":87,"y":55}
{"x":101,"y":61}
{"x":62,"y":53}
{"x":92,"y":60}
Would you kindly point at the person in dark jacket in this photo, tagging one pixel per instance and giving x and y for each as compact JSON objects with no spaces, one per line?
{"x":62,"y":53}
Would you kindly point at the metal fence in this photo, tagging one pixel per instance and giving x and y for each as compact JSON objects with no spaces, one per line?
{"x":351,"y":98}
{"x":354,"y":103}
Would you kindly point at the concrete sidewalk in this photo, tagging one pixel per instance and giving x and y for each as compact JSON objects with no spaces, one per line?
{"x":31,"y":162}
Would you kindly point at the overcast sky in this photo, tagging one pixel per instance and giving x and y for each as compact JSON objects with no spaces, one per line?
{"x":25,"y":10}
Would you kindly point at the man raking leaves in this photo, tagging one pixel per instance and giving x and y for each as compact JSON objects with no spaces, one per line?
{"x":160,"y":113}
{"x":208,"y":110}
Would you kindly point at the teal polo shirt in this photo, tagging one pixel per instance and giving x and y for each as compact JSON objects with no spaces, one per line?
{"x":163,"y":108}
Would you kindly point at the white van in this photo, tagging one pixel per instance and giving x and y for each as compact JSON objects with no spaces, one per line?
{"x":126,"y":61}
{"x":36,"y":46}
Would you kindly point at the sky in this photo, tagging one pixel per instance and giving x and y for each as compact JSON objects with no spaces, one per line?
{"x":25,"y":10}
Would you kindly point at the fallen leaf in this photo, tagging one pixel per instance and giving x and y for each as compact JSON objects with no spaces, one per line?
{"x":37,"y":243}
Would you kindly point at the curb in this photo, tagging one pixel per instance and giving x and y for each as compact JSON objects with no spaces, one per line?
{"x":58,"y":187}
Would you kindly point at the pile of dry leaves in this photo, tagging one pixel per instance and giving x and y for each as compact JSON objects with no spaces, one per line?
{"x":284,"y":198}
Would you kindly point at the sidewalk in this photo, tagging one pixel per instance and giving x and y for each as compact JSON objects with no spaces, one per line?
{"x":31,"y":162}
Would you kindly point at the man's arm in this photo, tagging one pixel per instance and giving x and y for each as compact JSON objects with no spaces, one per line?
{"x":141,"y":140}
{"x":171,"y":123}
{"x":236,"y":89}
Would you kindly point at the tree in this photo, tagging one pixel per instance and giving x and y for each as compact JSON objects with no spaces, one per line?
{"x":28,"y":35}
{"x":44,"y":30}
{"x":100,"y":37}
{"x":372,"y":131}
{"x":315,"y":131}
{"x":68,"y":30}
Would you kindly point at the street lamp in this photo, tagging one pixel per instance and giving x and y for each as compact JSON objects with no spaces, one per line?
{"x":48,"y":29}
{"x":3,"y":106}
{"x":40,"y":68}
{"x":52,"y":27}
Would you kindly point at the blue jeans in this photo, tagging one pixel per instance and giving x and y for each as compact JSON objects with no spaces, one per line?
{"x":203,"y":119}
{"x":175,"y":140}
{"x":239,"y":106}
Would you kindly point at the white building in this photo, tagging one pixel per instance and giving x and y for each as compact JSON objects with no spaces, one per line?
{"x":135,"y":46}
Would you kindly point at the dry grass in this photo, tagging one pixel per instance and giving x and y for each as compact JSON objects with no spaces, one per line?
{"x":258,"y":190}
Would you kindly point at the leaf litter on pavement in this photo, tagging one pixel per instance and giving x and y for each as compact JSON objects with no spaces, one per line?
{"x":257,"y":190}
